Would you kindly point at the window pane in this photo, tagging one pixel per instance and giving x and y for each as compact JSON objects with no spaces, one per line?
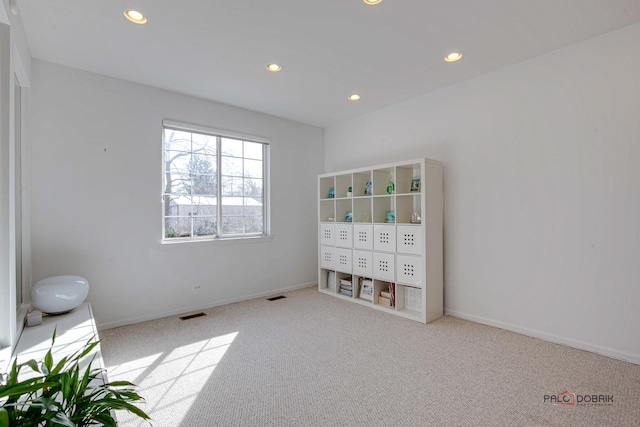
{"x":253,"y":188}
{"x":253,"y":168}
{"x":252,"y":150}
{"x":231,"y":166}
{"x":232,"y":225}
{"x":170,"y":154}
{"x":176,"y":205}
{"x":177,"y":227}
{"x":252,"y":207}
{"x":204,"y":226}
{"x":202,"y":164}
{"x":232,"y":206}
{"x":232,"y":186}
{"x":203,"y":184}
{"x":254,"y":224}
{"x":176,"y":183}
{"x":177,"y":140}
{"x":204,"y":206}
{"x":204,"y":144}
{"x":231,"y":147}
{"x":177,"y":161}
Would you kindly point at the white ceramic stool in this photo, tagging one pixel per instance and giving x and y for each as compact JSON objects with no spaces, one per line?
{"x":59,"y":294}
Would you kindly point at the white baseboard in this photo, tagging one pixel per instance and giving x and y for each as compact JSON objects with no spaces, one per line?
{"x":155,"y":316}
{"x":580,"y":345}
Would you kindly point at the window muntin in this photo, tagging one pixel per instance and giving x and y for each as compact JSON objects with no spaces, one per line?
{"x":213,"y":184}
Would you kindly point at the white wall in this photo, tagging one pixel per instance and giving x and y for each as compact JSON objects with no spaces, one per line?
{"x":542,"y":189}
{"x":96,"y":202}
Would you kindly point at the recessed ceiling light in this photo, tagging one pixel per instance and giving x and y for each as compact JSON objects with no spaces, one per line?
{"x":453,"y":57}
{"x":372,"y":1}
{"x":354,"y":97}
{"x":274,"y":67}
{"x":135,"y":16}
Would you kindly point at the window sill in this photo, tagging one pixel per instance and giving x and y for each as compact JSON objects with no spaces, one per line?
{"x":220,"y":240}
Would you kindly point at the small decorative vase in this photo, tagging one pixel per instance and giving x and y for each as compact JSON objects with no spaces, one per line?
{"x":391,"y":188}
{"x":390,"y":217}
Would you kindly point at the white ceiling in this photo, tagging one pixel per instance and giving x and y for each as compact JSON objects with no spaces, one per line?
{"x":218,"y":49}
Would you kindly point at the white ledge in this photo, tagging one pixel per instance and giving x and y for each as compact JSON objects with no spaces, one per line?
{"x":221,"y":240}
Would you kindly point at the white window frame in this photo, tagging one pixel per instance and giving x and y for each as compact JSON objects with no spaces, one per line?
{"x":266,"y":191}
{"x":12,"y":74}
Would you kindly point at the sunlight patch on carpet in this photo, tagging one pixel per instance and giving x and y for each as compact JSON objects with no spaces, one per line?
{"x":171,"y":381}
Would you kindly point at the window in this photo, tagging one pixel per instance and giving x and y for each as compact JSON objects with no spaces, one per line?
{"x":214,"y":183}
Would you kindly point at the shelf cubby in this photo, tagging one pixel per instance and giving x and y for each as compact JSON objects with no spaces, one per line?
{"x":358,"y":289}
{"x":342,"y":207}
{"x":409,"y":300}
{"x":404,"y":175}
{"x":324,"y":185}
{"x":360,"y":180}
{"x":343,"y":182}
{"x":381,"y":205}
{"x":340,"y":276}
{"x":327,"y":210}
{"x":406,"y":205}
{"x":362,"y":210}
{"x":379,"y":286}
{"x":325,"y":283}
{"x":381,"y":180}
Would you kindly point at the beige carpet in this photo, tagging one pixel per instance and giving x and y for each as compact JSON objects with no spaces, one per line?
{"x":313,"y":360}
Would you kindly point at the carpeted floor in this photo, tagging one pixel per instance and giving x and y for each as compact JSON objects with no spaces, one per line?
{"x":313,"y":360}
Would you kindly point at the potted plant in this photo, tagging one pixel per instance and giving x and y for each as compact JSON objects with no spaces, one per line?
{"x":63,"y":393}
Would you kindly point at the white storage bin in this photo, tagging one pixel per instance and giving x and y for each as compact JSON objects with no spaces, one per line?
{"x":409,"y":239}
{"x":363,"y":263}
{"x":409,"y":270}
{"x":363,"y":236}
{"x":344,"y":235}
{"x":328,"y":234}
{"x":326,"y":257}
{"x":342,"y":260}
{"x":384,"y":238}
{"x":383,"y":266}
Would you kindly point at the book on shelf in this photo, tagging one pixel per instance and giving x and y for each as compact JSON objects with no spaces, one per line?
{"x":366,"y":289}
{"x":346,"y":287}
{"x":331,"y":280}
{"x":385,"y":294}
{"x":384,"y":301}
{"x":392,"y":293}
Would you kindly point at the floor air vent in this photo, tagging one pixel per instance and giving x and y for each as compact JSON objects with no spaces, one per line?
{"x":275,"y":298}
{"x":192,"y":316}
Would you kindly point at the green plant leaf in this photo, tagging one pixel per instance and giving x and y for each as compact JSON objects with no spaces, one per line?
{"x":25,"y":387}
{"x":32,"y":364}
{"x":120,"y":384}
{"x":48,"y":362}
{"x":106,"y":420}
{"x":4,"y":418}
{"x":60,"y":418}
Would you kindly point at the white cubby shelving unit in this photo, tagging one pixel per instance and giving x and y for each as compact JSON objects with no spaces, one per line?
{"x":383,"y":242}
